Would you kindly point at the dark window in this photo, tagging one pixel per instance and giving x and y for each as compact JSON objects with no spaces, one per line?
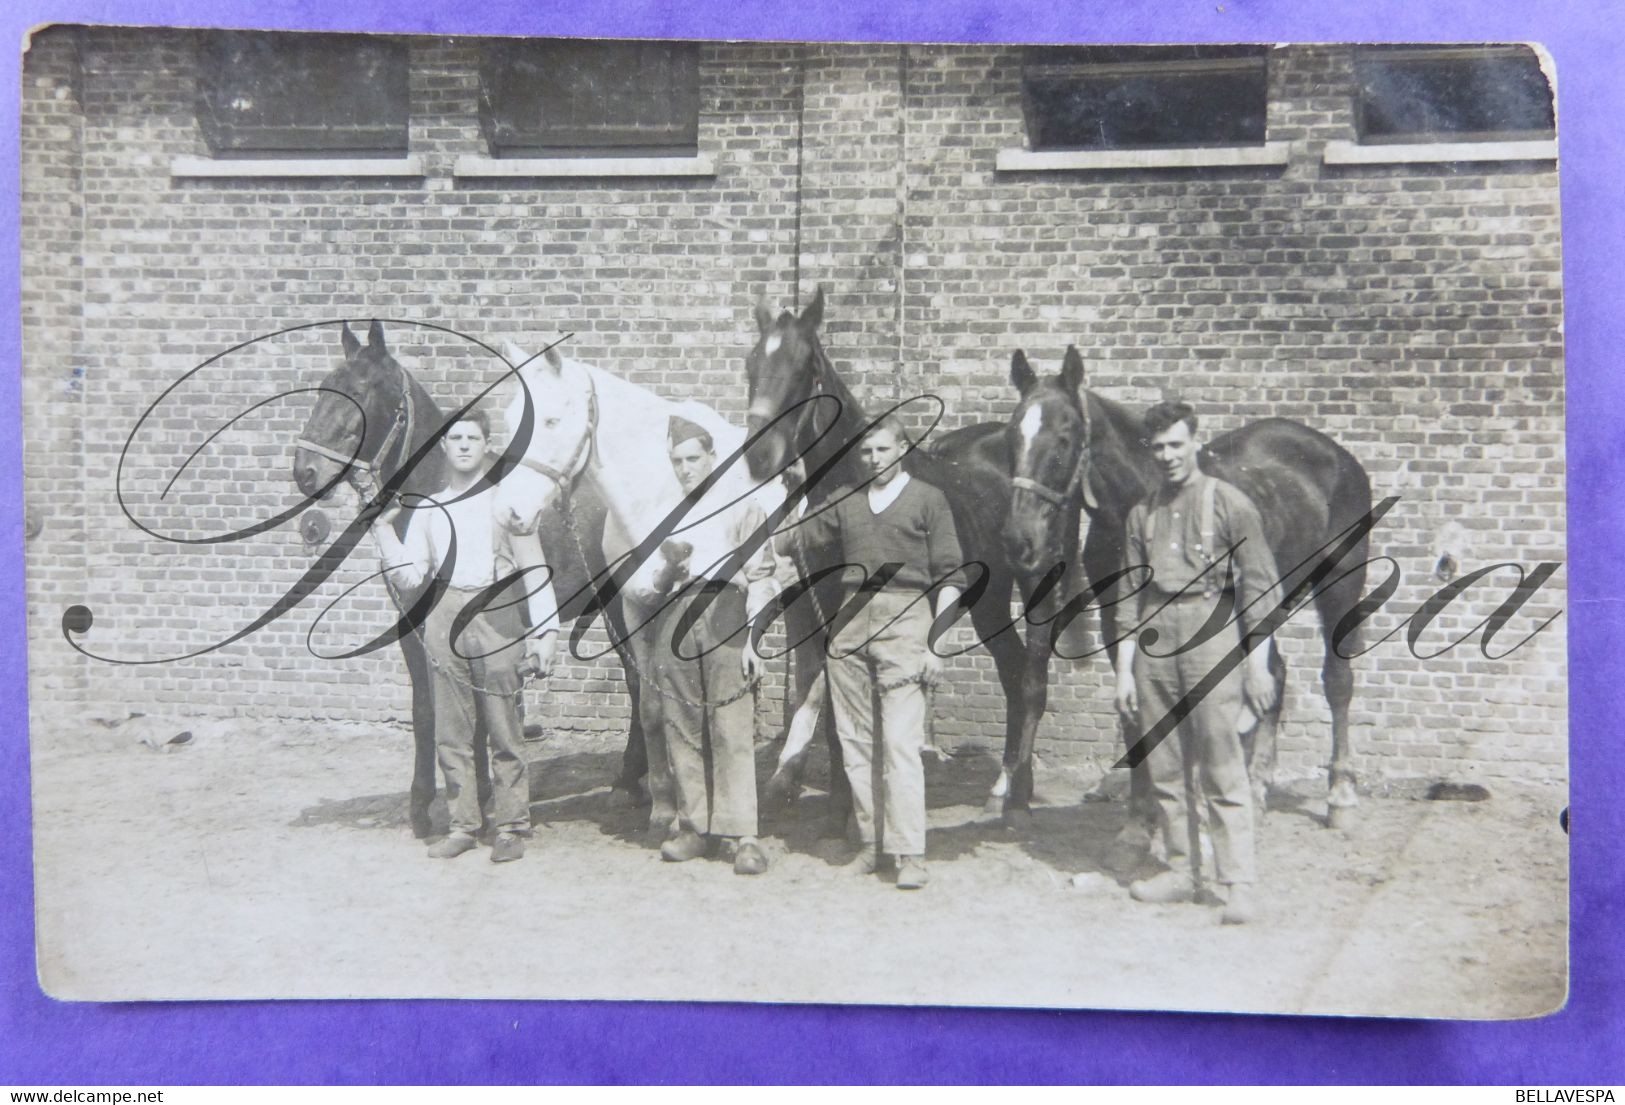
{"x":1144,"y":97}
{"x":559,"y":98}
{"x":299,"y":95}
{"x":1451,"y":94}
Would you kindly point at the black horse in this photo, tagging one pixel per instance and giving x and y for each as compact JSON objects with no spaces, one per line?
{"x":371,"y":416}
{"x":1077,"y":447}
{"x":971,"y":466}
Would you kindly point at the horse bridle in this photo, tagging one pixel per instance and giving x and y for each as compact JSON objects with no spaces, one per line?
{"x":1055,"y":498}
{"x":400,"y":432}
{"x":565,"y":478}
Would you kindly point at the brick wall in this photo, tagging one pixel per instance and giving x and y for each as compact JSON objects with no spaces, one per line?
{"x":1412,"y":312}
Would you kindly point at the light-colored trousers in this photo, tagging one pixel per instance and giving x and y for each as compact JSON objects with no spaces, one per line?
{"x":1204,"y":747}
{"x":470,"y":688}
{"x":702,"y":757}
{"x":884,"y":646}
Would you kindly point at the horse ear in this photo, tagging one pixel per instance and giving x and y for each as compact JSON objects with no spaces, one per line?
{"x":351,"y":346}
{"x":1072,"y":371}
{"x":375,"y":335}
{"x":764,"y":316}
{"x":814,"y":314}
{"x":1021,"y":373}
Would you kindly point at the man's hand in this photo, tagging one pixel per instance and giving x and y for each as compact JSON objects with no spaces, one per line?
{"x":1257,"y":682}
{"x":749,"y":662}
{"x":540,"y":653}
{"x":931,"y":670}
{"x":384,"y":515}
{"x":1128,"y":697}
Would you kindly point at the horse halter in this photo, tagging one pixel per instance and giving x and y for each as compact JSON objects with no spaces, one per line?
{"x":565,"y":477}
{"x":1055,"y":498}
{"x":400,"y":431}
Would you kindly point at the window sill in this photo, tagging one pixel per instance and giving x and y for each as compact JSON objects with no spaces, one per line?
{"x":296,"y":167}
{"x":475,"y":167}
{"x":1028,"y":161}
{"x":1343,"y":152}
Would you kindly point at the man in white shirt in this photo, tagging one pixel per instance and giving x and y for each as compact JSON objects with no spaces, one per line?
{"x":478,"y":675}
{"x":701,"y":681}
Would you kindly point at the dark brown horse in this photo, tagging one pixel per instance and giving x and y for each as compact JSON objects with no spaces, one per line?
{"x":792,"y":381}
{"x":370,"y":417}
{"x":1076,"y":446}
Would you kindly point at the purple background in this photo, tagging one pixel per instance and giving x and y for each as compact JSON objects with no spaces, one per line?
{"x":47,"y":1042}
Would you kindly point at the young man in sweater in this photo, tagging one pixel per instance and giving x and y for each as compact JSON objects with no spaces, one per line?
{"x":900,"y":531}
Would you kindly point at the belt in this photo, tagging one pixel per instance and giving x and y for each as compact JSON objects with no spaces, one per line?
{"x":1164,"y":597}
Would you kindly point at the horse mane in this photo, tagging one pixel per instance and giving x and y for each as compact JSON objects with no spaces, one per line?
{"x":1120,"y":474}
{"x":848,"y":422}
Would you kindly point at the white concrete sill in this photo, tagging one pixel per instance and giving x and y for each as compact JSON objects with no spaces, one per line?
{"x":470,"y":167}
{"x":1344,"y":152}
{"x":1031,"y":161}
{"x":296,"y":167}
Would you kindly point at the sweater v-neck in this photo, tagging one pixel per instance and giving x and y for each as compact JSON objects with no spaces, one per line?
{"x":895,"y":496}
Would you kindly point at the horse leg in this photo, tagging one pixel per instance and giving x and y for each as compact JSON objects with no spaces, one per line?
{"x":1337,"y":677}
{"x":424,"y":765}
{"x":1010,"y":661}
{"x":1034,"y":698}
{"x":1259,"y":744}
{"x":1337,"y":680}
{"x":635,"y":756}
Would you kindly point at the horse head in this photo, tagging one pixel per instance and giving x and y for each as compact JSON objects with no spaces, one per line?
{"x":1048,"y":439}
{"x":784,"y":368}
{"x":363,"y":408}
{"x":553,"y":415}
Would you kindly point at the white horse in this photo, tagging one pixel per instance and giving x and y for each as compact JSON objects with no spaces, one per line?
{"x":591,"y":427}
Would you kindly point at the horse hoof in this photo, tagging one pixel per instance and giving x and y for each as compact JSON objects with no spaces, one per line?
{"x":1340,"y":817}
{"x":994,"y":806}
{"x":781,"y":790}
{"x":422,"y":828}
{"x":1019,"y":817}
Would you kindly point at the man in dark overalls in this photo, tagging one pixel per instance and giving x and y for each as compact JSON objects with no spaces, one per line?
{"x":1187,"y":525}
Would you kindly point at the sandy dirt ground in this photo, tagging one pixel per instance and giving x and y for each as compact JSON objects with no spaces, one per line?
{"x":274,"y":860}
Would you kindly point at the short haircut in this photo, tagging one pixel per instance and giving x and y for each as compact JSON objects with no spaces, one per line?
{"x":1166,"y":415}
{"x":892,"y":425}
{"x":479,"y":416}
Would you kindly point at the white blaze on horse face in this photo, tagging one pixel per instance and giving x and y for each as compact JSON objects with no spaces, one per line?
{"x":1031,"y":423}
{"x":771,"y":346}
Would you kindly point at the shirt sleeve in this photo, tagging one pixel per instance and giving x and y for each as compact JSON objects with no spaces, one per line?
{"x":410,"y":561}
{"x":541,"y":602}
{"x":1258,"y":590}
{"x":760,"y":569}
{"x":944,"y":554}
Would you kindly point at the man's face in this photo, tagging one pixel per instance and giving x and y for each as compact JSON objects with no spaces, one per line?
{"x":464,"y":445}
{"x":692,"y":462}
{"x":880,"y":452}
{"x":1175,"y":453}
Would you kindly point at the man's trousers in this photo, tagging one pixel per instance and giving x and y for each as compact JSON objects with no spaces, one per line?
{"x":1204,"y":746}
{"x":474,"y":687}
{"x":702,"y":754}
{"x":884,"y":645}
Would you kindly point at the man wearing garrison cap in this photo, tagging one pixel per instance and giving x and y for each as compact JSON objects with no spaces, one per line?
{"x":702,"y":679}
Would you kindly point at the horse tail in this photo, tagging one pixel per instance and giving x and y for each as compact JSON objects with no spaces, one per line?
{"x":1351,"y":502}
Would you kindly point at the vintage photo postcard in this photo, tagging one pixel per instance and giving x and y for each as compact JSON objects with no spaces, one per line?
{"x":1065,"y":526}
